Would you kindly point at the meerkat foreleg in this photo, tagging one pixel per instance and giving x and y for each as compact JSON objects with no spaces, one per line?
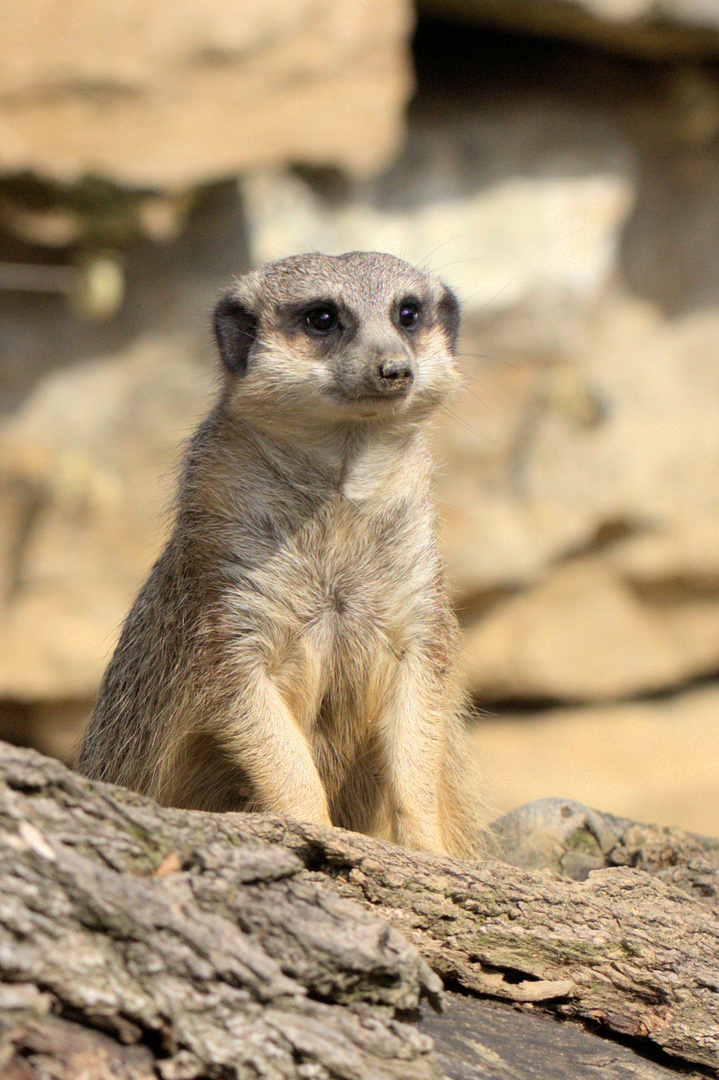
{"x":412,"y":729}
{"x":265,"y":739}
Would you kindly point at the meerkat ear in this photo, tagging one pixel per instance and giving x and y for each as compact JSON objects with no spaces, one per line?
{"x":448,"y":312}
{"x":235,"y":327}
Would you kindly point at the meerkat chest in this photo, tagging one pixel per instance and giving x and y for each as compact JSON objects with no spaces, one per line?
{"x":352,"y":593}
{"x":348,"y":590}
{"x":368,"y":569}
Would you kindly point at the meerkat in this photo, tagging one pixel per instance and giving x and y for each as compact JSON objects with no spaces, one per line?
{"x":293,"y":649}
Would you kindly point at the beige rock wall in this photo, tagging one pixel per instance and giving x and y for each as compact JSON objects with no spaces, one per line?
{"x":157,"y":94}
{"x":651,"y":760}
{"x":579,"y":469}
{"x":86,"y":480}
{"x":585,"y":546}
{"x":584,"y":556}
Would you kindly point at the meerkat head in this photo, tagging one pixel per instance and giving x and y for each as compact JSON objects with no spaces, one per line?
{"x":356,"y":337}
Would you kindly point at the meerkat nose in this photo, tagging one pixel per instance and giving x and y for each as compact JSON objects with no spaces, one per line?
{"x":394,"y":373}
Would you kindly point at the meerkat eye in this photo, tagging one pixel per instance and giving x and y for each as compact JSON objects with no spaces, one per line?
{"x":321,"y":319}
{"x":408,"y":314}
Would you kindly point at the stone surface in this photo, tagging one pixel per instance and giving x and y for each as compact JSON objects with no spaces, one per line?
{"x":543,"y":242}
{"x":579,"y":469}
{"x":654,"y":761}
{"x":165,"y":95}
{"x":578,"y":492}
{"x":83,"y":494}
{"x":598,"y":529}
{"x":570,"y":839}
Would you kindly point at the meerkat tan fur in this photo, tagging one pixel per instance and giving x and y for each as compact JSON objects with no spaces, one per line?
{"x":293,"y":649}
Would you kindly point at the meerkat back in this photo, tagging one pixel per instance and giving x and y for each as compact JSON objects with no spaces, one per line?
{"x":293,"y":649}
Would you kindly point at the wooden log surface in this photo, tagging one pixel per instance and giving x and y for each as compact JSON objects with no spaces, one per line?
{"x":197,"y":945}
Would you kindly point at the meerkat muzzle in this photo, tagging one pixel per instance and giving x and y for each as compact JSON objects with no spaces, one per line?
{"x":394,"y":374}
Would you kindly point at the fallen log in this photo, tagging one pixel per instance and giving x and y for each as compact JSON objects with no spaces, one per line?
{"x":198,"y":945}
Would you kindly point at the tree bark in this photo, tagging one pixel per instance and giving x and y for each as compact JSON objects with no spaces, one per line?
{"x":248,"y":946}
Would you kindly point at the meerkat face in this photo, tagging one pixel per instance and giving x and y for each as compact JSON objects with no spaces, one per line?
{"x":356,"y":337}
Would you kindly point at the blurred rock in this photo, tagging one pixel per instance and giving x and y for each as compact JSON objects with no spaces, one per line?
{"x":170,"y":290}
{"x":53,"y":728}
{"x":596,"y":576}
{"x":164,"y":95}
{"x":548,"y":242}
{"x":555,"y":834}
{"x":584,"y":556}
{"x":654,"y":761}
{"x":86,"y":475}
{"x":580,"y":471}
{"x":579,"y":487}
{"x":654,"y":28}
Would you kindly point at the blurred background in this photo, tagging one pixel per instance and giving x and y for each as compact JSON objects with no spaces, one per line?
{"x":557,"y":163}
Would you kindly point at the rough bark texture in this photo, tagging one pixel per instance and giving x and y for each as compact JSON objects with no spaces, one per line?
{"x":226,"y":946}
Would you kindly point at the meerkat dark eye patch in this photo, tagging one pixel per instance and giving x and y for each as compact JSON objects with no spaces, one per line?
{"x":321,"y":319}
{"x":408,"y":312}
{"x":236,"y":332}
{"x":448,"y":314}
